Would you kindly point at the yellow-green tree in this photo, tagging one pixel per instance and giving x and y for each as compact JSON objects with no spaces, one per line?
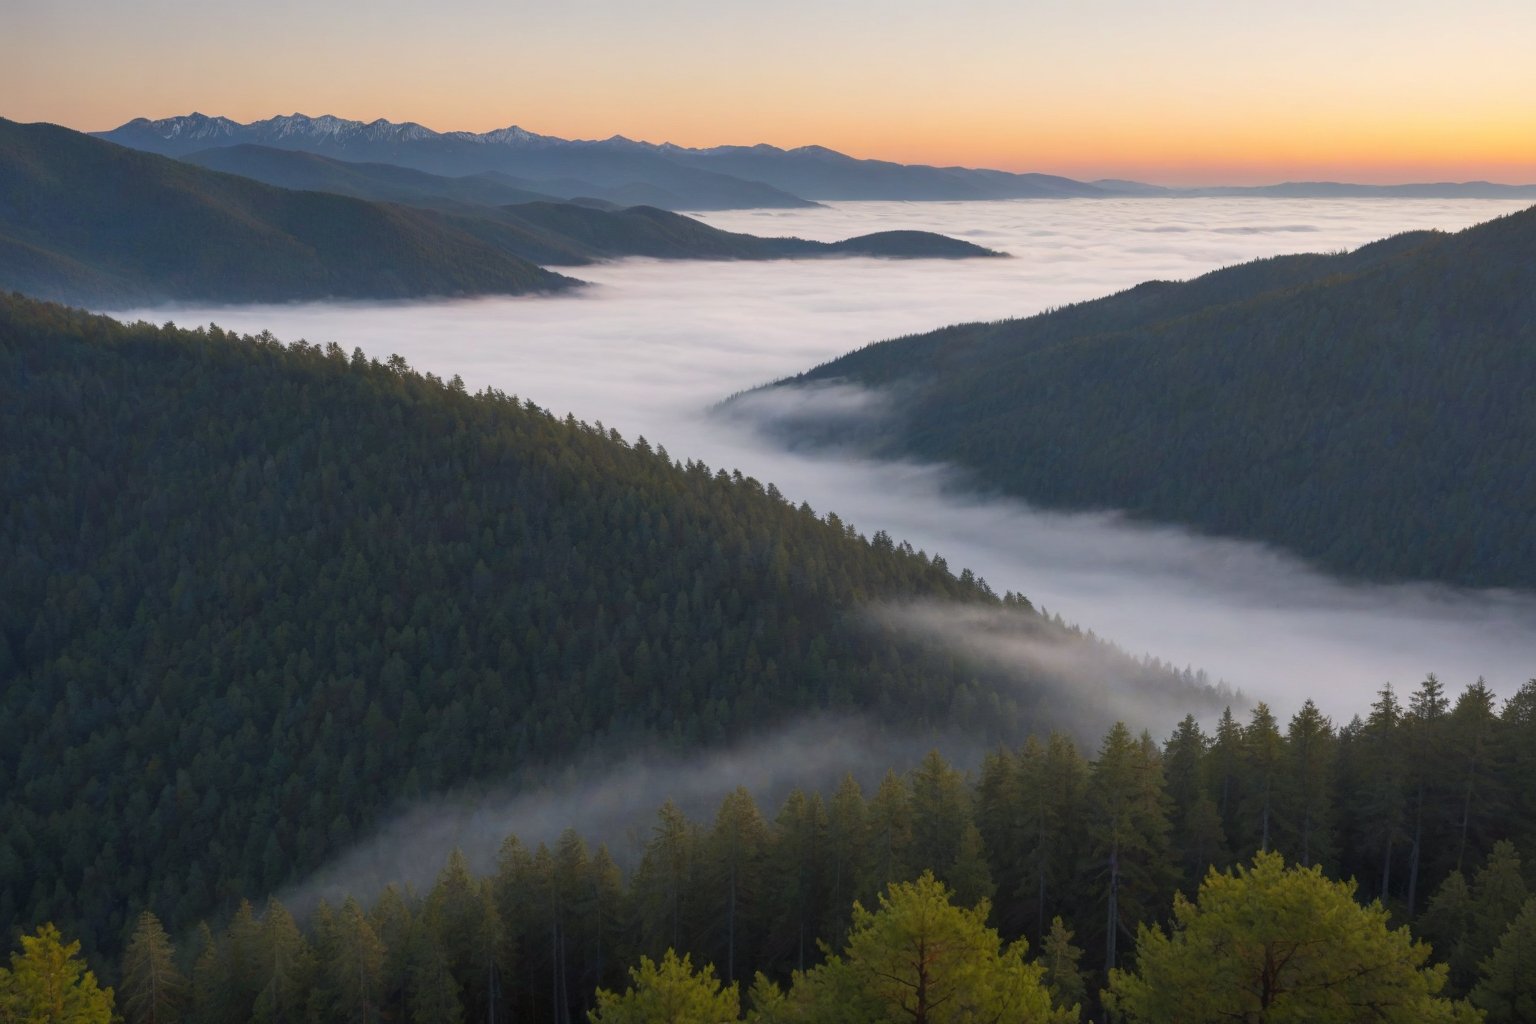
{"x":669,"y":992}
{"x":919,"y":959}
{"x":1268,"y":944}
{"x":48,"y":984}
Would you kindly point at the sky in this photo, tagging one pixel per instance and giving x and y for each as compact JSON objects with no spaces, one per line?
{"x":1173,"y":92}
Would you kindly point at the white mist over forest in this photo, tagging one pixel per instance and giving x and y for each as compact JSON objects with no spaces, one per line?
{"x":653,"y":344}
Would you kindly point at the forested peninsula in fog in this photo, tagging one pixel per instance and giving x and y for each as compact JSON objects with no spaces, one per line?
{"x":1368,"y":410}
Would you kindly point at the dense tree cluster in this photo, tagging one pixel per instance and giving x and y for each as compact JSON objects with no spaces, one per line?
{"x":1074,"y":854}
{"x":253,"y":597}
{"x":1368,"y":410}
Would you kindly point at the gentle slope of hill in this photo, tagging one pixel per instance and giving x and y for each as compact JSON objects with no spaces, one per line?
{"x":1369,"y":410}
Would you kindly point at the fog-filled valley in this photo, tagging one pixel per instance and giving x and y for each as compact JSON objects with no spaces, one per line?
{"x":654,"y":345}
{"x":506,"y":641}
{"x":767,"y":513}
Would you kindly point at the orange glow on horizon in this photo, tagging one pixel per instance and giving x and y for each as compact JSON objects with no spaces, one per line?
{"x":1188,"y":92}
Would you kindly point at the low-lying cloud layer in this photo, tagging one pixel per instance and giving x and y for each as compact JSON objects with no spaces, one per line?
{"x":615,"y":804}
{"x":655,"y":344}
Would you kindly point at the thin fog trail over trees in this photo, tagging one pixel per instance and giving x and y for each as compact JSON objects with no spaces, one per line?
{"x":655,"y":344}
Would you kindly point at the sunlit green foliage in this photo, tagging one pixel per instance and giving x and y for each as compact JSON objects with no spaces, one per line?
{"x":1268,"y":944}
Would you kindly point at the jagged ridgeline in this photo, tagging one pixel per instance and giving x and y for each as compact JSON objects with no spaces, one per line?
{"x":254,"y":597}
{"x":1369,"y":410}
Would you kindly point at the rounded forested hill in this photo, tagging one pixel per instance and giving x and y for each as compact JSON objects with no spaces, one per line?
{"x":1372,"y":411}
{"x":254,"y":596}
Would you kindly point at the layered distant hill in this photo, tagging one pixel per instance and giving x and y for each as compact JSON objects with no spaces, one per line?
{"x":627,"y":172}
{"x":1372,"y":410}
{"x":556,"y":232}
{"x":616,"y":170}
{"x":87,"y":221}
{"x":389,"y":183}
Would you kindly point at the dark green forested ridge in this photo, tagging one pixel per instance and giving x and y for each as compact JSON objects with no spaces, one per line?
{"x":253,"y":596}
{"x":1369,"y":410}
{"x":85,"y":220}
{"x":1426,"y":802}
{"x":573,"y":233}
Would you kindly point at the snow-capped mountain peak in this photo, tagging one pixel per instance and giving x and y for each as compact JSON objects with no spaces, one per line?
{"x":189,"y":126}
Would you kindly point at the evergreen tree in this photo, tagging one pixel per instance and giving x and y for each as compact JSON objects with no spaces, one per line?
{"x":353,"y":959}
{"x":1305,"y":789}
{"x":153,"y":989}
{"x":1052,"y":786}
{"x":1470,"y":737}
{"x":1199,"y":835}
{"x":284,"y":968}
{"x":664,"y":881}
{"x":47,"y":983}
{"x":669,"y":992}
{"x":1424,"y":728}
{"x":941,"y":810}
{"x":919,"y":959}
{"x":1127,"y":863}
{"x":1506,"y":988}
{"x":1060,"y":959}
{"x":1446,"y":925}
{"x":1263,"y":762}
{"x":736,"y":850}
{"x":1271,"y":943}
{"x":796,"y":876}
{"x":890,"y":832}
{"x":847,"y":856}
{"x":1380,"y":802}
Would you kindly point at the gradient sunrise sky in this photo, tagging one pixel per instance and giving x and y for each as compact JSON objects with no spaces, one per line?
{"x":1177,"y":92}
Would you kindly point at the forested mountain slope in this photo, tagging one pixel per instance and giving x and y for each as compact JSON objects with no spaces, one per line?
{"x":1369,"y":410}
{"x":253,"y":597}
{"x":86,"y":220}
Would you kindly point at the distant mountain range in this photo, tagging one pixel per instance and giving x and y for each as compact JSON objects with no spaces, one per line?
{"x":616,"y":170}
{"x":84,"y":220}
{"x":626,"y":172}
{"x":1371,"y":410}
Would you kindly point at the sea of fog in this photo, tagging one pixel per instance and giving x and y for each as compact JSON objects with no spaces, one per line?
{"x":652,"y":344}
